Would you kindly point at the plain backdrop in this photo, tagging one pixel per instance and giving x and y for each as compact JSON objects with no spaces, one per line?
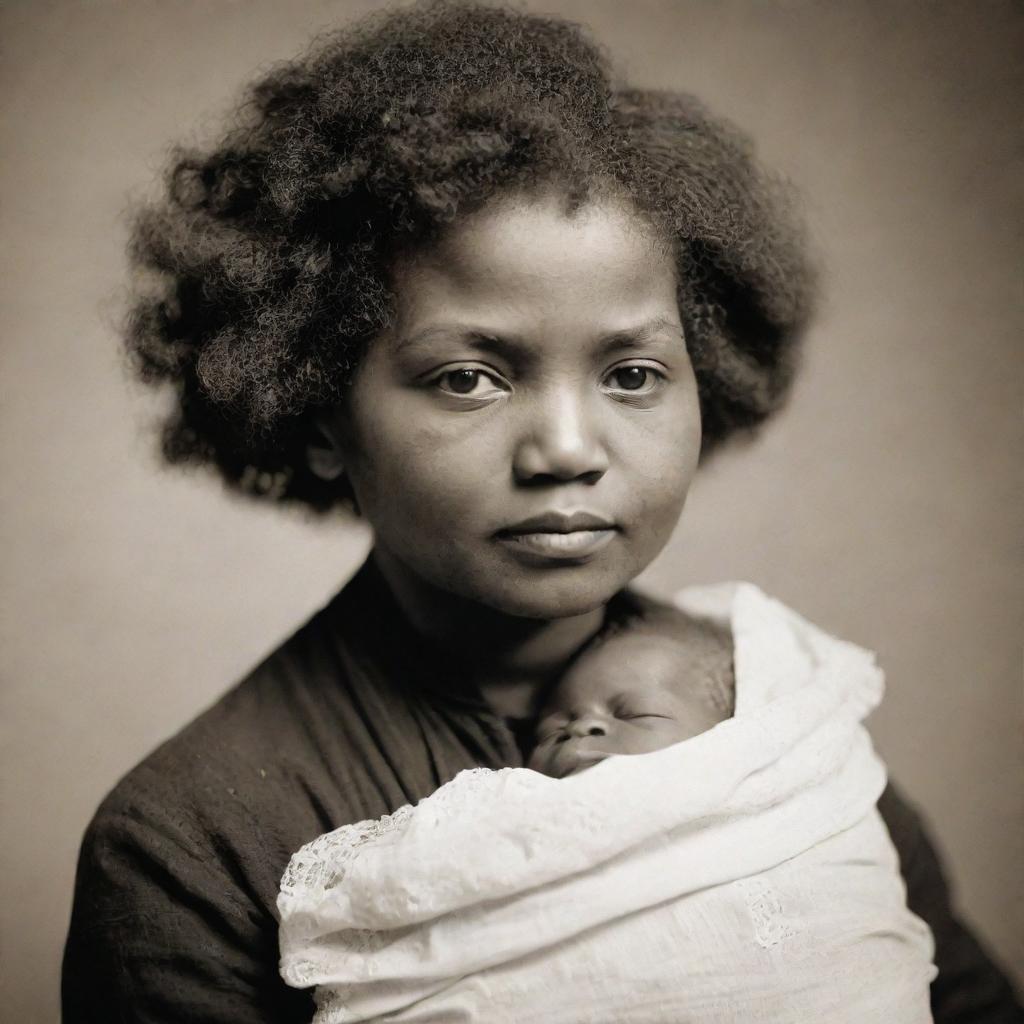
{"x":884,"y":503}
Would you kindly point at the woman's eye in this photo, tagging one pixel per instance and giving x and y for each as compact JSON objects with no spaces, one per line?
{"x":634,"y":380}
{"x":468,"y":382}
{"x":461,"y":382}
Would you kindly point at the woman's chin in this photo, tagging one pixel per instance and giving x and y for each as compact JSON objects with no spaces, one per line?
{"x":554,"y":597}
{"x":556,"y":590}
{"x":560,"y":587}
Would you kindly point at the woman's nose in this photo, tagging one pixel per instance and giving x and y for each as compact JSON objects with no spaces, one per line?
{"x":561,"y":440}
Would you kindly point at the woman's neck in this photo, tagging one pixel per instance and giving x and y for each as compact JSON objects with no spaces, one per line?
{"x":510,"y":659}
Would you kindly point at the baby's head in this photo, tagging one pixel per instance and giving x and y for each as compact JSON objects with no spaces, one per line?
{"x":630,"y":693}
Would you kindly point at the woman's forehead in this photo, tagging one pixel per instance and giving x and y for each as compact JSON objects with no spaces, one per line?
{"x":517,"y":264}
{"x":544,"y":221}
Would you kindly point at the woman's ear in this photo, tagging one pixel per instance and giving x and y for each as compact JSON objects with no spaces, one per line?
{"x":323,"y":450}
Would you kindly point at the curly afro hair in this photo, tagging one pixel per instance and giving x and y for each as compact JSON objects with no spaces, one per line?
{"x":264,"y":272}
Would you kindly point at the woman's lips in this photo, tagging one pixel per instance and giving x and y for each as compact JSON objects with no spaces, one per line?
{"x":577,"y":544}
{"x":559,"y":535}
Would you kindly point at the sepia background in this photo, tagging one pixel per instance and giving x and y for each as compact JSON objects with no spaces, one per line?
{"x":885,"y":503}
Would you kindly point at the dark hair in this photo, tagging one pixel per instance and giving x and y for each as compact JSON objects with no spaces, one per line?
{"x":263,"y":274}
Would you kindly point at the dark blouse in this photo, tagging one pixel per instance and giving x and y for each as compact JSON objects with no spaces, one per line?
{"x":174,"y":915}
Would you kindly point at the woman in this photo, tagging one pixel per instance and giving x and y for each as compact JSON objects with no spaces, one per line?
{"x":442,"y":272}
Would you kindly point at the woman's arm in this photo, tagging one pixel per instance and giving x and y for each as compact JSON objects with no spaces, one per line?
{"x":970,"y":988}
{"x":163,"y":930}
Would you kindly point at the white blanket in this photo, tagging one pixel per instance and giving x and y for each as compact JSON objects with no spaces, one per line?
{"x":743,"y":875}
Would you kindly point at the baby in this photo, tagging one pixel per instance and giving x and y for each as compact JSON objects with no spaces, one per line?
{"x":654,"y":680}
{"x":743,"y":876}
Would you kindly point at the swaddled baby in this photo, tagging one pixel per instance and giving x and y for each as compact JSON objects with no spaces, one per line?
{"x":734,"y":871}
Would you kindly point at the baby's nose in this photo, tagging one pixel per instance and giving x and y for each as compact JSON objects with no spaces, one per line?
{"x":588,"y":725}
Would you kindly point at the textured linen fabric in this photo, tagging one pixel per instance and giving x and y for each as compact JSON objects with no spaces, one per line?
{"x":174,"y":915}
{"x":740,"y":877}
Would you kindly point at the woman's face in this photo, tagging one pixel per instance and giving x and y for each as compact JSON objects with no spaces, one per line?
{"x":525,"y":433}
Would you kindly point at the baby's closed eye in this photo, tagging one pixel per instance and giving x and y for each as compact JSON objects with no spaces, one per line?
{"x":626,"y":707}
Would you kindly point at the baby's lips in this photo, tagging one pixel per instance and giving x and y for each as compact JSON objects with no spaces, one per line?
{"x":582,"y":760}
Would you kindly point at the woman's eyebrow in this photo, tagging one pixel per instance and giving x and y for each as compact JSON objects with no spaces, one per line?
{"x":505,"y":344}
{"x":643,"y":334}
{"x":486,"y":341}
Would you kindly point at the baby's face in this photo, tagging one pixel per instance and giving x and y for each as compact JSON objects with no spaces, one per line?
{"x":627,"y":697}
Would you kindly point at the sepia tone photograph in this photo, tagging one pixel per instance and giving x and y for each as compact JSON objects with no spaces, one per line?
{"x":512,"y":512}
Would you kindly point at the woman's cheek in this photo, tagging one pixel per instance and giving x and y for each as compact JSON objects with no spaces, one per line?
{"x":670,"y":445}
{"x":439,"y":473}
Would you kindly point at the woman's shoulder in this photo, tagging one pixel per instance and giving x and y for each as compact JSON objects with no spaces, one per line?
{"x":179,"y":867}
{"x":320,"y":733}
{"x":258,"y":712}
{"x":270,"y":737}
